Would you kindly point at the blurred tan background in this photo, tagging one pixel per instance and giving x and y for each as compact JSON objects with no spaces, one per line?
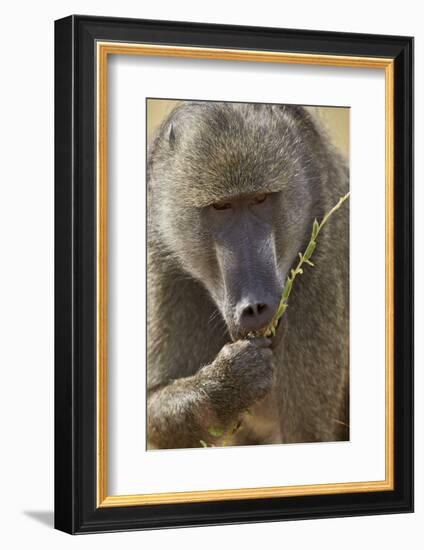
{"x":334,"y":119}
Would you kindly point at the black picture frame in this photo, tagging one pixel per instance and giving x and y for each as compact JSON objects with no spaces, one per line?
{"x":76,"y":509}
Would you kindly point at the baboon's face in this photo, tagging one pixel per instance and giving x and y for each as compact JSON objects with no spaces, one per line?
{"x":229,"y":202}
{"x":247,"y":285}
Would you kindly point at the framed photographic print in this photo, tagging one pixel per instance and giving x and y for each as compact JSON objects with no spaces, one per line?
{"x":233,"y":266}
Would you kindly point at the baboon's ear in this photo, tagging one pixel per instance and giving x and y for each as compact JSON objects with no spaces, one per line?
{"x":171,"y":136}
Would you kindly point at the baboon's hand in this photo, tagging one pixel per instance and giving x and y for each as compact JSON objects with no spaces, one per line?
{"x":242,"y":373}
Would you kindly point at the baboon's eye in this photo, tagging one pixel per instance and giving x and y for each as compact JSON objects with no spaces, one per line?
{"x":221,"y":205}
{"x":260,"y":198}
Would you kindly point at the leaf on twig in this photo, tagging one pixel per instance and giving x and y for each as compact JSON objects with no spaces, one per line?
{"x":216,"y":432}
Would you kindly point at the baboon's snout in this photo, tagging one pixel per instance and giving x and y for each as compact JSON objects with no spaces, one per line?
{"x":248,"y":267}
{"x":255,"y":311}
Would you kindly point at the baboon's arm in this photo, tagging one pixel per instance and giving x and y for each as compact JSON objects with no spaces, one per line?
{"x":182,"y":413}
{"x":179,"y":414}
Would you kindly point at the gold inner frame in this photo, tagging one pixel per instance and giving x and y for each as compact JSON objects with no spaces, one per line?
{"x":104,"y":49}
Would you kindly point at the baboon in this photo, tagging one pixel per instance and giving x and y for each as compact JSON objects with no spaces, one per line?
{"x":233,"y":190}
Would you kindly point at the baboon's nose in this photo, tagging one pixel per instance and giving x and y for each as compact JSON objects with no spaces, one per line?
{"x":255,"y":314}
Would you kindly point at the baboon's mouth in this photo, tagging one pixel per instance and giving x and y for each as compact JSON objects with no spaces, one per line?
{"x":268,"y":332}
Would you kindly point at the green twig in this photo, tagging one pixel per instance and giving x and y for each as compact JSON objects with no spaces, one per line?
{"x":304,"y":258}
